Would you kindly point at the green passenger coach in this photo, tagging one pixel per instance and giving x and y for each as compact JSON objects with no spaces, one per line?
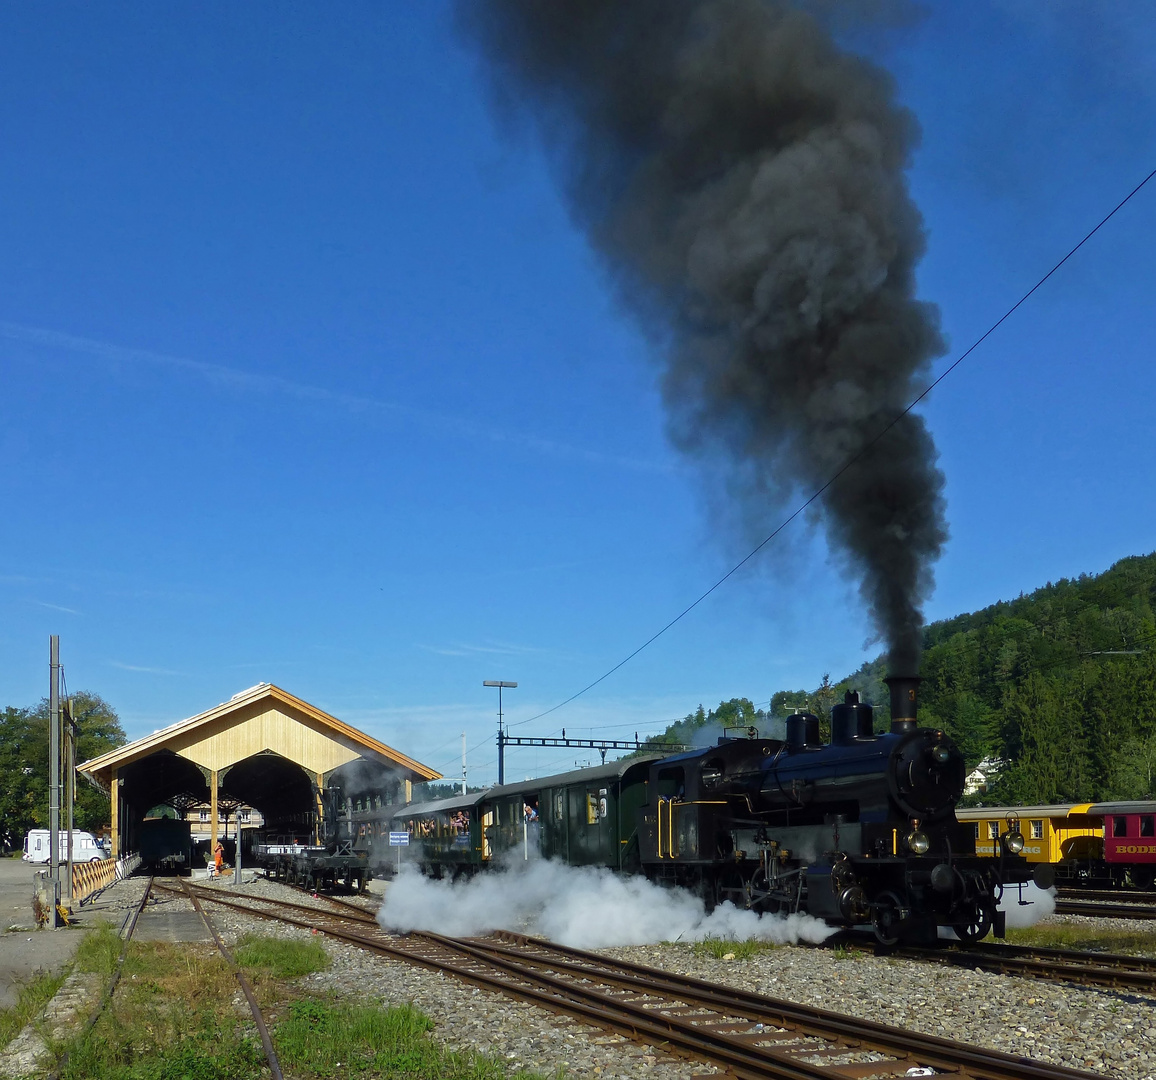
{"x":445,"y":836}
{"x":587,"y":817}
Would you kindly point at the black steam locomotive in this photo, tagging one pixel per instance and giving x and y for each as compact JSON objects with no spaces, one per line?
{"x":860,"y":830}
{"x":315,"y":852}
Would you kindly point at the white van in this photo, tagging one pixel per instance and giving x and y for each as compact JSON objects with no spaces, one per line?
{"x":84,"y":847}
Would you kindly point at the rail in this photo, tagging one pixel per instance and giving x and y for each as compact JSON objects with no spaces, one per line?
{"x":246,"y":988}
{"x":1118,"y":896}
{"x":1136,"y":973}
{"x":1100,"y":910}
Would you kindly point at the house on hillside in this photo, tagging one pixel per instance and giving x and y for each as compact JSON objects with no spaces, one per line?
{"x":977,"y":781}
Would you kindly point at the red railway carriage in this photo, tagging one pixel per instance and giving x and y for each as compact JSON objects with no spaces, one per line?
{"x":1130,"y":839}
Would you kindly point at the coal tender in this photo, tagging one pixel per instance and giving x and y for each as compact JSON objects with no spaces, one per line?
{"x":860,"y":830}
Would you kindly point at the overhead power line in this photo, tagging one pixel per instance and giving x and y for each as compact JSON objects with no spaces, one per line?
{"x":820,"y":491}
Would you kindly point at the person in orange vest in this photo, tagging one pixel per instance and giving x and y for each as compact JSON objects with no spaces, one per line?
{"x":218,"y":858}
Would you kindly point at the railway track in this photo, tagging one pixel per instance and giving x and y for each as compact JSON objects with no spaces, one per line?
{"x":1119,"y":896}
{"x":368,"y":909}
{"x":191,"y":893}
{"x":126,"y":933}
{"x":1097,"y":909}
{"x":751,"y":1036}
{"x":243,"y":982}
{"x":1135,"y":973}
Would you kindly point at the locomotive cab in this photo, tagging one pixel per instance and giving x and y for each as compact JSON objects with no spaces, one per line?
{"x":686,"y":828}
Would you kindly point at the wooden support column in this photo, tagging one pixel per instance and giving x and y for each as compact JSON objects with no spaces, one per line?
{"x":114,"y":810}
{"x":212,"y":813}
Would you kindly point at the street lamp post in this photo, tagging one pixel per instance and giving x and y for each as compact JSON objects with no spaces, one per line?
{"x":501,"y":734}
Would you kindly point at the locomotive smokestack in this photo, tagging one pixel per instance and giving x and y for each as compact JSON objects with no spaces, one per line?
{"x":904,"y":701}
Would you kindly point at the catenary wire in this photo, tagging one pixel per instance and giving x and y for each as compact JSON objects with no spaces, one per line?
{"x":639,"y":727}
{"x":819,"y":492}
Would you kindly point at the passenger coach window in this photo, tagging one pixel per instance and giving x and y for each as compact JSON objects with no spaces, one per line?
{"x":993,"y":830}
{"x":1146,"y":824}
{"x":1119,"y":826}
{"x":977,"y":830}
{"x":1037,"y":830}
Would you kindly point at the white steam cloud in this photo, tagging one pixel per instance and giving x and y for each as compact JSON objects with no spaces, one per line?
{"x":1037,"y":904}
{"x":583,"y":907}
{"x":1022,"y":907}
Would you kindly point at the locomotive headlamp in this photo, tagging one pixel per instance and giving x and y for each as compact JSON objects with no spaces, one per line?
{"x":1014,"y":841}
{"x":940,"y":754}
{"x":917,"y":841}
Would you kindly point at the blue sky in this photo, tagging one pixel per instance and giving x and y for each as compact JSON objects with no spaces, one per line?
{"x":306,"y":377}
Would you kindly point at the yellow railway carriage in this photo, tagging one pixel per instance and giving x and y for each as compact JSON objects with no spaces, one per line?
{"x":1068,"y":837}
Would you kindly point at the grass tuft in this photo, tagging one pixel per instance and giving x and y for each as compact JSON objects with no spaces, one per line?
{"x":98,"y":949}
{"x":281,"y":958}
{"x":328,"y":1039}
{"x":168,"y":1045}
{"x":726,"y":949}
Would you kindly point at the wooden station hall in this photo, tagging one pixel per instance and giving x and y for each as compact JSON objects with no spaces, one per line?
{"x":263,"y":748}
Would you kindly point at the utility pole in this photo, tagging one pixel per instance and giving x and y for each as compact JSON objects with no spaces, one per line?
{"x":53,"y":778}
{"x":463,"y":762}
{"x":68,"y":730}
{"x":237,"y":857}
{"x":501,"y":734}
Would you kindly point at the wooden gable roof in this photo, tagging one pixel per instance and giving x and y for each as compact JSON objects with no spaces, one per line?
{"x":264,"y":717}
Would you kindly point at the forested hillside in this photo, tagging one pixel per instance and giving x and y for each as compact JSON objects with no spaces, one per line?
{"x":1058,"y":685}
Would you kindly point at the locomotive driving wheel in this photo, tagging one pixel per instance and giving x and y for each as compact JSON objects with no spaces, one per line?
{"x":887,"y":919}
{"x":975,"y":927}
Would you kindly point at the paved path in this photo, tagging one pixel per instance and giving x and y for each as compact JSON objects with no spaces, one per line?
{"x":26,"y":952}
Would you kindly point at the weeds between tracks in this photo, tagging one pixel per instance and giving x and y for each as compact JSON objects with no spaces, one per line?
{"x":1084,"y":938}
{"x":728,"y":949}
{"x":175,"y":1014}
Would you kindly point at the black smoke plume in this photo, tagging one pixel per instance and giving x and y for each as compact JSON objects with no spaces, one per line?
{"x":743,"y":179}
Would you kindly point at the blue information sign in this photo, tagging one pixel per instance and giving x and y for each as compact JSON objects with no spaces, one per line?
{"x":399,"y":839}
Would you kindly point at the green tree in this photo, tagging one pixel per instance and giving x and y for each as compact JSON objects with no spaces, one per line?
{"x":1053,"y":766}
{"x":24,"y":765}
{"x":738,"y":712}
{"x":1138,"y":773}
{"x":971,"y":724}
{"x":23,"y":777}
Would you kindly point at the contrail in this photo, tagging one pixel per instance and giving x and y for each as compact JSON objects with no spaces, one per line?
{"x":241,"y":380}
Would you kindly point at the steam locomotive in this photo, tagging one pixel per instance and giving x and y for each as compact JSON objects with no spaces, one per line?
{"x":857,"y":831}
{"x":316,"y":852}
